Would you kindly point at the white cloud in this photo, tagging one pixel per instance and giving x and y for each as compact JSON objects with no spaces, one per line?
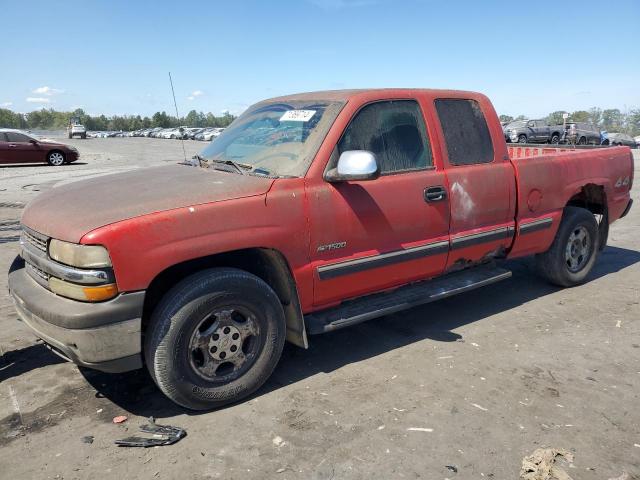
{"x":194,"y":94}
{"x":6,"y":104}
{"x":38,"y":100}
{"x":48,"y":91}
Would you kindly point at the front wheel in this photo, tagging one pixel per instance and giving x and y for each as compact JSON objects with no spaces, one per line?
{"x":215,"y":338}
{"x":522,"y":139}
{"x":582,"y":141}
{"x":555,"y":139}
{"x":55,"y":159}
{"x":573,"y":251}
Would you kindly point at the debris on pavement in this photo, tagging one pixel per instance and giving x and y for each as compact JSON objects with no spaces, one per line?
{"x":120,"y":419}
{"x":541,"y":465}
{"x":88,"y":439}
{"x":161,"y":435}
{"x":419,"y":429}
{"x":624,"y":476}
{"x":279,"y":442}
{"x":452,"y":468}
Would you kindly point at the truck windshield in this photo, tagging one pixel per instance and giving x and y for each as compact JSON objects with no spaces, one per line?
{"x":274,"y":139}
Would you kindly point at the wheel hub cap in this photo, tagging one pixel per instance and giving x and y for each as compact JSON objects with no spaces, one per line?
{"x":224,"y":344}
{"x":578,"y":249}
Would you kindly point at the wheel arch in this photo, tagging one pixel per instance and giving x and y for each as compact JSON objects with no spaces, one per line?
{"x":592,"y":197}
{"x":267,"y":264}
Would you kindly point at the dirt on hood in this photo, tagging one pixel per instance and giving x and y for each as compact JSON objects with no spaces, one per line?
{"x":70,"y":211}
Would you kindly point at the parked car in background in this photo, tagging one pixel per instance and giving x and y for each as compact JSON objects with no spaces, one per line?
{"x":532,"y":131}
{"x":200,"y":136}
{"x":192,"y":132}
{"x":581,"y":133}
{"x":173,"y":133}
{"x":621,"y":139}
{"x":17,"y":146}
{"x":213,"y":133}
{"x":76,"y":130}
{"x":637,"y":140}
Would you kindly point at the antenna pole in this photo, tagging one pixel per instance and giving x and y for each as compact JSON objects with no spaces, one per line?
{"x":177,"y":116}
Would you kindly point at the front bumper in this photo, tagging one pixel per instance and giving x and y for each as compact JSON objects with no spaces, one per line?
{"x":104,"y":336}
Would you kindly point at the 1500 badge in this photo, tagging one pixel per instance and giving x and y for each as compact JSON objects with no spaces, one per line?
{"x":331,"y":246}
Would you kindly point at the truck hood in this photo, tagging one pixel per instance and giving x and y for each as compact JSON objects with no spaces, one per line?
{"x":70,"y":211}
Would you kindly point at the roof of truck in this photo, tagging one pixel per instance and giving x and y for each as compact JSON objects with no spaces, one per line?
{"x":344,"y":95}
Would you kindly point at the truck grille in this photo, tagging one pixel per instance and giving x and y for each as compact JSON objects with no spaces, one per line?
{"x":35,"y":239}
{"x":38,"y":275}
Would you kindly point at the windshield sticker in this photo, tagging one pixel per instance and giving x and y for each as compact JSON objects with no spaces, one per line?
{"x":297,"y":116}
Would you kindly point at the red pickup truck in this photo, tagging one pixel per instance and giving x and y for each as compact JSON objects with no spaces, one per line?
{"x":310,"y":213}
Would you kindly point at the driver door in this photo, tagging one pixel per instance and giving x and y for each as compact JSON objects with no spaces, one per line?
{"x":368,"y":236}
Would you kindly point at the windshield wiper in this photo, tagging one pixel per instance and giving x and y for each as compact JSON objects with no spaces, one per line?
{"x":240,"y":167}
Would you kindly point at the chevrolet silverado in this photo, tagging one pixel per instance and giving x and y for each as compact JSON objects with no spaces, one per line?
{"x":310,"y":213}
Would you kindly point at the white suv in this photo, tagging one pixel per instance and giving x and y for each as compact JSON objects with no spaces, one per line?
{"x":76,"y":130}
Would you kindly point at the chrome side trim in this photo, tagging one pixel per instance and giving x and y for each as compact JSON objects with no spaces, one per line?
{"x":536,"y":225}
{"x":327,"y":272}
{"x":482,"y":237}
{"x":76,"y":275}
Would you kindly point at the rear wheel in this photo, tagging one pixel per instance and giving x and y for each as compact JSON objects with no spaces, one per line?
{"x":215,"y":338}
{"x":573,"y":251}
{"x":522,"y":139}
{"x":555,"y":139}
{"x":55,"y":158}
{"x":582,"y":141}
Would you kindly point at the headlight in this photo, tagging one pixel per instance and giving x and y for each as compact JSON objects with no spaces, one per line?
{"x":81,"y":256}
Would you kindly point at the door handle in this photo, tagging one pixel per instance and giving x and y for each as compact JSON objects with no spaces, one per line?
{"x":12,"y":145}
{"x":435,"y":194}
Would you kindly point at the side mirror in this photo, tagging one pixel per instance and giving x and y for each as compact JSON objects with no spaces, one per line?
{"x":34,"y":141}
{"x":354,"y":165}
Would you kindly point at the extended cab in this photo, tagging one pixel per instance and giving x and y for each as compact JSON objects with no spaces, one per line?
{"x":310,"y":213}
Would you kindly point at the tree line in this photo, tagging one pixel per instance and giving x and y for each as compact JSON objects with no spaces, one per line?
{"x":611,"y":119}
{"x":49,"y":119}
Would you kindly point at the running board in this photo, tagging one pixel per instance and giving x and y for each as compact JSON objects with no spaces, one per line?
{"x":380,"y":304}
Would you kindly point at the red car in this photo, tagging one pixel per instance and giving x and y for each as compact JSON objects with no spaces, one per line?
{"x":310,"y":213}
{"x":18,"y":147}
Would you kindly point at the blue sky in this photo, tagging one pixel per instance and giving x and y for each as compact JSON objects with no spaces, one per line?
{"x":113,"y":57}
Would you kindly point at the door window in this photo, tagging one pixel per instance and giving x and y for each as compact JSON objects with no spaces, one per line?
{"x":394,"y":131}
{"x":14,"y":137}
{"x":465,"y":131}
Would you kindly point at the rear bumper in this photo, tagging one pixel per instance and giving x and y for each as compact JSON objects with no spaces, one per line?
{"x":104,"y":336}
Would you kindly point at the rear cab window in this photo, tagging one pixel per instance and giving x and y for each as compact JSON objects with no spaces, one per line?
{"x":465,"y":131}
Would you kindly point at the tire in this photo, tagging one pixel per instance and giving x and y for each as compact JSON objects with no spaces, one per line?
{"x":555,"y":139}
{"x":582,"y":141}
{"x":55,"y":158}
{"x":522,"y":139}
{"x":84,"y":136}
{"x":214,"y":338}
{"x":570,"y":259}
